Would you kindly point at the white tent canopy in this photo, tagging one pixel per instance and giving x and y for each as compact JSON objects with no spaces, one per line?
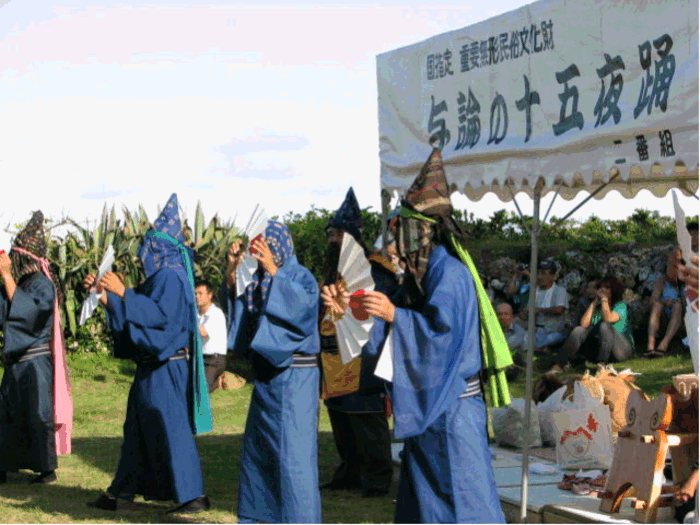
{"x":595,"y":95}
{"x":613,"y":90}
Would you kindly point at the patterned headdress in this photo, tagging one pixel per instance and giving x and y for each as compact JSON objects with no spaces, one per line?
{"x":32,"y":239}
{"x":429,"y":194}
{"x":156,"y":253}
{"x":279,"y":240}
{"x":416,"y":238}
{"x":348,"y":217}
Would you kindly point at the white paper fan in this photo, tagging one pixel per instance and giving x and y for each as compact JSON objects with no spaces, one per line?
{"x":256,"y":226}
{"x":352,"y":329}
{"x":90,"y":304}
{"x":691,"y":310}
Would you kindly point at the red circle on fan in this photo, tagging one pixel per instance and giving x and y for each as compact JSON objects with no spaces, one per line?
{"x":252,"y":250}
{"x":357,"y":306}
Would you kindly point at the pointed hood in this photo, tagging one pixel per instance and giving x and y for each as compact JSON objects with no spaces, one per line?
{"x":429,"y":194}
{"x":168,"y":221}
{"x":32,"y":238}
{"x":348,"y":218}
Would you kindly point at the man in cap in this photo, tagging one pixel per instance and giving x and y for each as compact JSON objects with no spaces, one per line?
{"x":155,"y":324}
{"x":442,"y":340}
{"x":273,"y":323}
{"x":355,"y":398}
{"x":32,"y":430}
{"x":551,"y":303}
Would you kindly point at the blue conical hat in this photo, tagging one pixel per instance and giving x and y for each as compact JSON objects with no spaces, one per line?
{"x":168,"y":221}
{"x":348,"y":217}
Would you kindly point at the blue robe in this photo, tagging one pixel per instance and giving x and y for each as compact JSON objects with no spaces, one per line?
{"x":446,"y":473}
{"x":159,"y":457}
{"x":27,"y":430}
{"x":279,"y":458}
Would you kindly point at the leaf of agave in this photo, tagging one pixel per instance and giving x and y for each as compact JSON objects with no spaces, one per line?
{"x":108,"y":241}
{"x":62,"y":257}
{"x":198,"y":223}
{"x":209,"y":234}
{"x":112,"y":223}
{"x":143,"y":220}
{"x":70,"y":311}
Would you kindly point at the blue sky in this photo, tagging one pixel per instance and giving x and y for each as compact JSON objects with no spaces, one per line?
{"x":230,"y":105}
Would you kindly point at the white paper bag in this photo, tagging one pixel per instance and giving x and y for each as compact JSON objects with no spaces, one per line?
{"x":584,"y":435}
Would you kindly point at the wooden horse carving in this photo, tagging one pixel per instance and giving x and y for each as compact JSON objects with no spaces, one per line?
{"x":637,"y":469}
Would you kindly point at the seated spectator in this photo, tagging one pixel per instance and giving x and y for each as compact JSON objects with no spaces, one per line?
{"x":603,"y":332}
{"x":516,"y":338}
{"x":551,"y":303}
{"x":666,"y":307}
{"x":588,"y":295}
{"x":518,"y":291}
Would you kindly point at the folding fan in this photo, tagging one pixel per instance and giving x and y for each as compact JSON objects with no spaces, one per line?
{"x":254,"y":230}
{"x":92,"y":300}
{"x":691,"y":310}
{"x":354,"y":271}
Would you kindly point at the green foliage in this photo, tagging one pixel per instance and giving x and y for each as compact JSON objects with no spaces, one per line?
{"x":80,"y":250}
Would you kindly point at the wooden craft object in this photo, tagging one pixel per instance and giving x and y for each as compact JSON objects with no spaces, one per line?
{"x":653,"y":427}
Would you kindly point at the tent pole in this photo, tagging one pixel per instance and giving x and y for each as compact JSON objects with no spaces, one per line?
{"x":386,"y":199}
{"x":617,"y":173}
{"x":522,"y":217}
{"x":534,"y":233}
{"x":553,"y":199}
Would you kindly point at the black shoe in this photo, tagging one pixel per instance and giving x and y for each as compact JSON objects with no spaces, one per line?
{"x":45,"y":477}
{"x":375,"y":493}
{"x":192,"y":507}
{"x":3,"y":476}
{"x":105,"y":502}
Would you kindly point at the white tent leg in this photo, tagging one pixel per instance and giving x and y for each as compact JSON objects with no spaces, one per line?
{"x":534,"y":233}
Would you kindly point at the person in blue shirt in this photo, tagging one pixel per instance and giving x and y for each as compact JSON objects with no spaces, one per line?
{"x":275,"y":324}
{"x":155,"y":325}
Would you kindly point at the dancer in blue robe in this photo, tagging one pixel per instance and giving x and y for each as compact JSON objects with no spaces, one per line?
{"x":446,"y":474}
{"x":274,"y":323}
{"x":154,"y":325}
{"x":27,"y":431}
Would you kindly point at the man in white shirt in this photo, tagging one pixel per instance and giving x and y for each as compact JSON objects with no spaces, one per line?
{"x":551,"y":303}
{"x":212,"y":328}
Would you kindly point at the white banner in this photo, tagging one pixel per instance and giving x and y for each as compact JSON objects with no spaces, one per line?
{"x":553,"y":89}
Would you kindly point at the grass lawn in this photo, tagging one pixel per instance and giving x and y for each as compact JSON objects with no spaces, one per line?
{"x":100,"y":387}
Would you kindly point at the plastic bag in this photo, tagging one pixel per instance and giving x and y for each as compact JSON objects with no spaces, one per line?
{"x":509,"y":426}
{"x":554,"y":403}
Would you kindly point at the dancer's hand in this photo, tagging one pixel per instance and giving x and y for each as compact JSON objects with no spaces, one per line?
{"x":113,"y":284}
{"x":379,"y":305}
{"x":335,"y":297}
{"x":261,"y":251}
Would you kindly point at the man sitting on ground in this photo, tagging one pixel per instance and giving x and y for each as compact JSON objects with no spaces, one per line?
{"x":551,"y":303}
{"x":516,"y":338}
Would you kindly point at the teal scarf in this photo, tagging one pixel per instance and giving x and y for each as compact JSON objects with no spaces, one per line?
{"x":200,"y":407}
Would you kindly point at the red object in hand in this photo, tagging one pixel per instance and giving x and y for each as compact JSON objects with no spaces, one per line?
{"x":357,"y":306}
{"x":252,"y":250}
{"x":2,"y":252}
